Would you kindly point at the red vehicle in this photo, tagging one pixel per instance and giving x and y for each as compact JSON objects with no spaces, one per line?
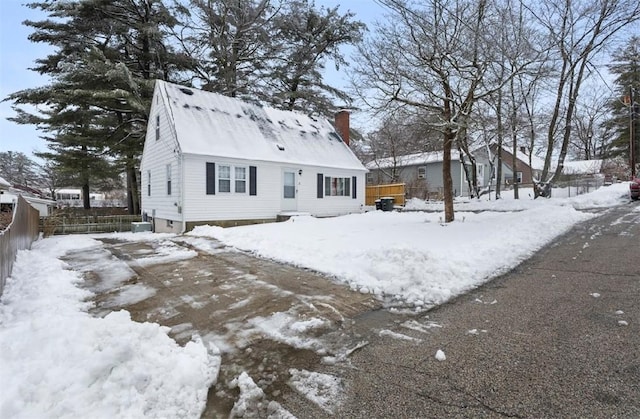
{"x":634,"y":189}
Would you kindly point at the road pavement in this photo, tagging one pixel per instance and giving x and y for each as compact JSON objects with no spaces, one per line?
{"x":557,"y":337}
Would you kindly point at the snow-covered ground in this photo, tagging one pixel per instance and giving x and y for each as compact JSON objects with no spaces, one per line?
{"x":56,"y":360}
{"x":412,"y":257}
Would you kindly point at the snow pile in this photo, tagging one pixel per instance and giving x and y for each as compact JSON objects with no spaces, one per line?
{"x":167,"y":251}
{"x":440,"y":356}
{"x":412,"y":257}
{"x":253,"y":403}
{"x":322,"y":389}
{"x":600,"y":198}
{"x":58,"y":361}
{"x":286,"y":328}
{"x":406,"y":257}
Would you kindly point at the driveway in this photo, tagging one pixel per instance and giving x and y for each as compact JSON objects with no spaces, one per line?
{"x":264,"y":317}
{"x":556,"y":337}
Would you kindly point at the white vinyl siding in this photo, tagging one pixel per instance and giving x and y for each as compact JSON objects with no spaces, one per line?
{"x":200,"y":207}
{"x":158,"y":155}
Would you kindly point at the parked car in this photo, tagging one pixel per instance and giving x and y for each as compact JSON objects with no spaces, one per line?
{"x":634,"y":189}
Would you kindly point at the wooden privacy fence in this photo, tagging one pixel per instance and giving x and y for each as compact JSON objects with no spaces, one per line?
{"x":394,"y":190}
{"x":88,"y":224}
{"x":22,"y":231}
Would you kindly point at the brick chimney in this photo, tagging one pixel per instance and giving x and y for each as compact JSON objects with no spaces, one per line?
{"x":342,"y":125}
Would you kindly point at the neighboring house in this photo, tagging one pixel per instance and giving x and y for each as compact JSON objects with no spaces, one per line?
{"x":422,"y":173}
{"x":213,"y":159}
{"x":582,"y":169}
{"x":9,"y":199}
{"x":4,"y":185}
{"x":523,"y":173}
{"x":72,"y":197}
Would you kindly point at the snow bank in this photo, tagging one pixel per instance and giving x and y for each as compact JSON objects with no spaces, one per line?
{"x":58,"y":361}
{"x":412,"y":257}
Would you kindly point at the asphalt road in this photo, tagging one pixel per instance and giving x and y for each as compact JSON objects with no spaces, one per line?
{"x":557,"y":337}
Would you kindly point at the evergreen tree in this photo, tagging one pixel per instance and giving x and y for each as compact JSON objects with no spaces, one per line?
{"x":229,"y":40}
{"x":626,"y":67}
{"x":107,"y":55}
{"x":306,"y":38}
{"x":268,"y":51}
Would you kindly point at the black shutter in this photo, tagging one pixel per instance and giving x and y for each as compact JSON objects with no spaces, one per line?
{"x":211,"y":178}
{"x":354,"y":195}
{"x":252,"y":180}
{"x":320,"y":185}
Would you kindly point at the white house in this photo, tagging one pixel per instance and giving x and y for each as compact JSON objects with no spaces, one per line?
{"x":212,"y":159}
{"x":9,"y":199}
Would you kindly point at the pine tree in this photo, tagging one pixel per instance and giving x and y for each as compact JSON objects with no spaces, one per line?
{"x":229,"y":40}
{"x":626,"y":67}
{"x":306,"y":38}
{"x":107,"y":55}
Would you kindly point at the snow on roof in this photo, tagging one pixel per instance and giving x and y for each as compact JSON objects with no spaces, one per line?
{"x":10,"y":198}
{"x":582,"y":167}
{"x":536,"y":162}
{"x":211,"y":124}
{"x":4,"y":184}
{"x":412,"y":159}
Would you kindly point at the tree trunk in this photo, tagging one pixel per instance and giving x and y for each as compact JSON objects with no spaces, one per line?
{"x":500,"y":142}
{"x":133,"y":197}
{"x":86,"y":201}
{"x":446,"y":176}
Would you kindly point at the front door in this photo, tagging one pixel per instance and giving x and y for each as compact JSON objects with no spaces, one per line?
{"x":289,"y":191}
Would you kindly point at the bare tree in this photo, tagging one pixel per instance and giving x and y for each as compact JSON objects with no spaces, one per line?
{"x":577,"y":31}
{"x":400,"y":134}
{"x":438,"y":57}
{"x":591,"y":139}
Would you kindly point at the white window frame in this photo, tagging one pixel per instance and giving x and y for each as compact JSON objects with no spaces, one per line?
{"x":148,"y":182}
{"x":424,"y":170}
{"x":237,"y":175}
{"x":157,"y":127}
{"x":519,"y":177}
{"x":226,"y":178}
{"x":337,"y":186}
{"x":237,"y":181}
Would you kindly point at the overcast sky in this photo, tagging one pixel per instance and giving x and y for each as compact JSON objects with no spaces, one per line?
{"x":17,"y":54}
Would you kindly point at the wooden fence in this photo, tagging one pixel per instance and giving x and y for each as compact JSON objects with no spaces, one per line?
{"x":395,"y":191}
{"x":88,"y":224}
{"x":22,"y":231}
